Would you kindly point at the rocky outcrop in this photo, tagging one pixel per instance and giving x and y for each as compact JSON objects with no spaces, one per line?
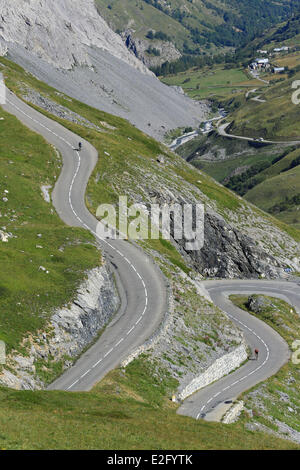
{"x":43,"y":26}
{"x":4,"y":237}
{"x":70,"y":330}
{"x":228,"y":253}
{"x":258,"y":303}
{"x":139,"y":47}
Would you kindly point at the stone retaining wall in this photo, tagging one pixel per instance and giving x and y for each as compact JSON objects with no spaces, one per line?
{"x":221,"y":367}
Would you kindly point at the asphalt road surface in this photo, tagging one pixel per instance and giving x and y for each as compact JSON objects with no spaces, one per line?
{"x":273,"y":350}
{"x":141,"y":285}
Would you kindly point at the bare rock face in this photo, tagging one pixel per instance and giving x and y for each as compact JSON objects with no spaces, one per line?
{"x":228,"y":253}
{"x":139,"y":47}
{"x":43,"y":26}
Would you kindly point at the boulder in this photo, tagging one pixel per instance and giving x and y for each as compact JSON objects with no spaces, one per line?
{"x":258,"y":303}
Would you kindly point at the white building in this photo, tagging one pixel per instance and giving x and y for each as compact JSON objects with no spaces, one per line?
{"x":262,"y":61}
{"x":281,"y":49}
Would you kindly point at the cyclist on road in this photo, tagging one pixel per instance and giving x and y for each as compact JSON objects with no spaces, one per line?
{"x":79,"y":146}
{"x":256,"y":353}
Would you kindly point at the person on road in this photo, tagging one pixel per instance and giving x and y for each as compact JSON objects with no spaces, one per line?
{"x":79,"y":146}
{"x":256,"y":353}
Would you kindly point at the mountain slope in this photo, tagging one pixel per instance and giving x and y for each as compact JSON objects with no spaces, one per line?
{"x":93,"y":66}
{"x":42,"y":27}
{"x":286,"y":34}
{"x":195,"y":26}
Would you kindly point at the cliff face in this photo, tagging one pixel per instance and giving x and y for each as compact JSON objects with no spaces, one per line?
{"x":59,"y":31}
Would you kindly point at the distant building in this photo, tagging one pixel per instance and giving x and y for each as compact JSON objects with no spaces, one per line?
{"x":262,"y":61}
{"x":281,"y":49}
{"x":262,"y":52}
{"x":278,"y":69}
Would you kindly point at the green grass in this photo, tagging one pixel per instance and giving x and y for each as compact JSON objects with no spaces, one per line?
{"x":276,"y":189}
{"x":221,"y":170}
{"x":291,"y":217}
{"x":29,"y":295}
{"x":277,"y":118}
{"x":225,"y":155}
{"x":125,"y":411}
{"x":143,"y":17}
{"x":215,"y":81}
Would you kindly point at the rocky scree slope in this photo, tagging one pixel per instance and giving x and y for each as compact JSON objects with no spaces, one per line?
{"x":93,"y":66}
{"x":59,"y":31}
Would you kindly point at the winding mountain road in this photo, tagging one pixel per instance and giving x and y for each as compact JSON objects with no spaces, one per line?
{"x":210,"y":402}
{"x":143,"y":289}
{"x":141,"y":285}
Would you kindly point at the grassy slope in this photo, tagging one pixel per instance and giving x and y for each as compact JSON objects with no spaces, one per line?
{"x":143,"y":17}
{"x":238,"y":153}
{"x":197,"y":14}
{"x":275,"y":190}
{"x":277,"y":118}
{"x":212,"y":82}
{"x":278,"y":185}
{"x":123,"y":412}
{"x":27,"y":294}
{"x":285,"y":321}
